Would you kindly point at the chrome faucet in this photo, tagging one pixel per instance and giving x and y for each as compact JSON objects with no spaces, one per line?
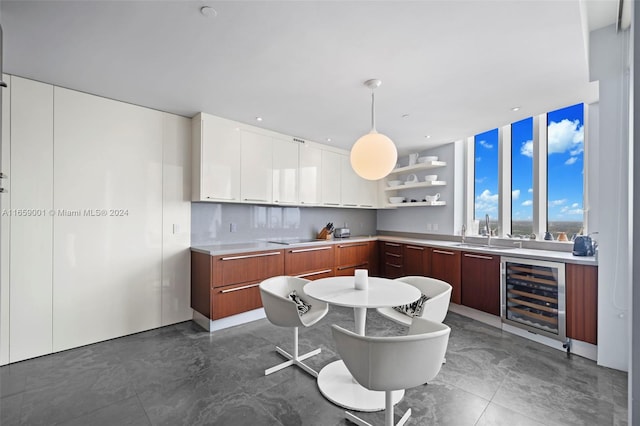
{"x":464,"y":232}
{"x":488,"y":229}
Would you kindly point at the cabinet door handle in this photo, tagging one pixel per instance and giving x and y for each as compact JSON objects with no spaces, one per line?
{"x":393,"y":255}
{"x":366,"y":205}
{"x":342,"y":268}
{"x":255,"y":199}
{"x":221,"y":198}
{"x":331,"y":204}
{"x":477,"y":256}
{"x":352,"y":245}
{"x":240,"y":288}
{"x":415,"y":248}
{"x":350,"y":205}
{"x":310,"y":274}
{"x":392,"y":244}
{"x":309,"y":249}
{"x":248,"y":256}
{"x":450,"y":253}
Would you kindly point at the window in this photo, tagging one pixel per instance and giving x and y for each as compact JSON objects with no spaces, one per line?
{"x":522,"y":177}
{"x":486,"y":178}
{"x":565,"y":170}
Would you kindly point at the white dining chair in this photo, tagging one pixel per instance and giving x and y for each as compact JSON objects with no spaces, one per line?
{"x":434,"y":308}
{"x":393,"y":363}
{"x":283,"y":311}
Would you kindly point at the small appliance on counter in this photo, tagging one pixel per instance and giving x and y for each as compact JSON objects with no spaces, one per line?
{"x":583,"y":246}
{"x":342,"y":233}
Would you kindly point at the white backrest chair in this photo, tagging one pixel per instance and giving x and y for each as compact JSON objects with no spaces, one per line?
{"x":434,"y":309}
{"x":393,"y":363}
{"x":282,"y":311}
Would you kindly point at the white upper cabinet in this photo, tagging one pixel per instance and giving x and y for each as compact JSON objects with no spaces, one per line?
{"x":285,"y":171}
{"x":356,"y":191}
{"x":350,"y":183}
{"x":331,"y":180}
{"x":309,"y":174}
{"x":216,"y":159}
{"x":256,"y":168}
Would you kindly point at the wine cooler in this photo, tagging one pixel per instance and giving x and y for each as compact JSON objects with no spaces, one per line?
{"x":533,"y":296}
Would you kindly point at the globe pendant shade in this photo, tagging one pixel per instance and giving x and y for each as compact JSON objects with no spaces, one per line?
{"x":373,"y":156}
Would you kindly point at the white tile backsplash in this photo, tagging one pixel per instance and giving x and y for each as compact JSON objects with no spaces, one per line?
{"x":214,"y":222}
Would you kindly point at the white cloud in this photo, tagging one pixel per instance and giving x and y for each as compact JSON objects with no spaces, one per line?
{"x":515,"y":194}
{"x":478,"y":159}
{"x":486,"y":202}
{"x":527,"y":203}
{"x":527,"y":149}
{"x":572,"y":211}
{"x":482,"y":179}
{"x":530,"y":190}
{"x":565,"y":136}
{"x":554,"y":203}
{"x":571,"y":160}
{"x":485,"y":144}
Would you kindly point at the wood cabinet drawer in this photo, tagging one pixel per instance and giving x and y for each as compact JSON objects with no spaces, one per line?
{"x":247,"y":267}
{"x":350,"y":254}
{"x":393,"y":259}
{"x":395,"y":248}
{"x":316,"y":275}
{"x":234,"y":299}
{"x":349,"y":270}
{"x":302,"y":260}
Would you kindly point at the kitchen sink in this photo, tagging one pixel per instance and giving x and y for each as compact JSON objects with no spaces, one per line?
{"x":484,"y":246}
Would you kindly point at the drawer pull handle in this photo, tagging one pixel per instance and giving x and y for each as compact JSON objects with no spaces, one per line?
{"x":450,"y":253}
{"x":240,"y":288}
{"x":221,"y":198}
{"x":392,"y":244}
{"x":248,"y":256}
{"x":394,"y":266}
{"x":309,"y":249}
{"x":352,"y":245}
{"x":342,"y":268}
{"x":310,"y":274}
{"x":477,"y":256}
{"x":415,"y":248}
{"x":393,"y":255}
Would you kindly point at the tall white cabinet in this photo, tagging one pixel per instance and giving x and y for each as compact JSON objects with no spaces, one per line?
{"x":309,"y":175}
{"x":31,"y":249}
{"x":104,"y":251}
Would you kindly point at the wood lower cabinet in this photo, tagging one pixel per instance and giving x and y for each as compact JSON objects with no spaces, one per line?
{"x":227,"y":285}
{"x":480,"y":282}
{"x":310,"y":263}
{"x":357,"y":255}
{"x":445,"y":266}
{"x":582,"y":302}
{"x":416,"y":260}
{"x":392,"y":260}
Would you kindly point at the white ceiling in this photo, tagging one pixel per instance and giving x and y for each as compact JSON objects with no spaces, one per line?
{"x":456,"y":67}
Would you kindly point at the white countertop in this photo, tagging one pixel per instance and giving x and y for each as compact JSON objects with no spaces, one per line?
{"x":549,"y":255}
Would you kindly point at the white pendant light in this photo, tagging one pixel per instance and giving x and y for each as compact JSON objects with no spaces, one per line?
{"x":374,"y":155}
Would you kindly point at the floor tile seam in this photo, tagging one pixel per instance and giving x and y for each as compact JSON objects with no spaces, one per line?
{"x":144,"y":409}
{"x":522,"y":414}
{"x":91,"y":411}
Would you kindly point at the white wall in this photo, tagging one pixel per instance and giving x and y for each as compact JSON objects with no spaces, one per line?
{"x":608,"y":166}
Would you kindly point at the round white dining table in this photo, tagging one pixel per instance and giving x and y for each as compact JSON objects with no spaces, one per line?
{"x":334,"y":380}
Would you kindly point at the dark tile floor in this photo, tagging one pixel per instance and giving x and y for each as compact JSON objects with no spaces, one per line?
{"x":181,"y":375}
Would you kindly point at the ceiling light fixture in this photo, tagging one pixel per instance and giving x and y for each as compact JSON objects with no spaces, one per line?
{"x":208,"y":12}
{"x":514,"y":109}
{"x":258,"y":118}
{"x":374,"y":155}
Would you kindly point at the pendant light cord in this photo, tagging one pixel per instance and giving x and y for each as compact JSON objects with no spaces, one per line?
{"x":373,"y":112}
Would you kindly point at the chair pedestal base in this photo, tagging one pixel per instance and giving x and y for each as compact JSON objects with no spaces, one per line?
{"x":294,"y":361}
{"x":338,"y":386}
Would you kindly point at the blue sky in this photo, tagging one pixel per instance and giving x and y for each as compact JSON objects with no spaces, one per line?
{"x":565,"y":134}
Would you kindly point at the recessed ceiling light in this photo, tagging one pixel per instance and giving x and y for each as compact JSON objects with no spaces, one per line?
{"x":515,"y":109}
{"x":208,"y":11}
{"x":328,"y":139}
{"x":405,"y":115}
{"x":258,"y":118}
{"x":428,"y":136}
